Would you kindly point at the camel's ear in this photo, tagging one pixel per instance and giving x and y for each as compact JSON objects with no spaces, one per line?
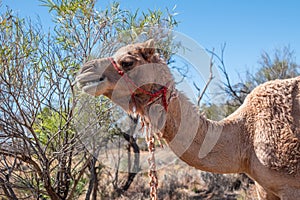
{"x":148,"y":49}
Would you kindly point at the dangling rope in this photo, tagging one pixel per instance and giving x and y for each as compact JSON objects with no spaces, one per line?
{"x":152,"y":174}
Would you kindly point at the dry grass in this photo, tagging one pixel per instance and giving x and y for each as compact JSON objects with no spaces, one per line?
{"x":183,"y":182}
{"x":180,"y":181}
{"x":177,"y":180}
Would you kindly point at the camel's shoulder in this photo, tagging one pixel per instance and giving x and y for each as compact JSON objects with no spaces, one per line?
{"x":274,"y":94}
{"x":276,"y":87}
{"x":274,"y":125}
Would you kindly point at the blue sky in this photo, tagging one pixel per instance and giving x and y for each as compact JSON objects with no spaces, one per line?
{"x":247,"y":27}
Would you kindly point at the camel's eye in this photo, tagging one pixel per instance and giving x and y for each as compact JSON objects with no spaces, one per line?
{"x":127,"y":65}
{"x":127,"y":62}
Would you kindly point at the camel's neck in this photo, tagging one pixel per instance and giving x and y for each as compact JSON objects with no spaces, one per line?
{"x":202,"y":143}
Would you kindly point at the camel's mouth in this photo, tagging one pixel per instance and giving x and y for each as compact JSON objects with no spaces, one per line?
{"x":92,"y":79}
{"x":90,"y":83}
{"x":92,"y":86}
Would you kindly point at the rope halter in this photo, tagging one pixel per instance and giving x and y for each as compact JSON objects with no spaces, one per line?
{"x":153,"y":95}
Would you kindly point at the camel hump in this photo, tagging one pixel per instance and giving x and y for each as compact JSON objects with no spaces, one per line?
{"x":274,"y":124}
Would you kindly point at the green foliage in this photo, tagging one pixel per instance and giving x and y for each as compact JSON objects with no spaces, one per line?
{"x":154,"y":24}
{"x":39,"y":104}
{"x":48,"y":124}
{"x":86,"y":31}
{"x":280,"y":66}
{"x":78,"y":26}
{"x":19,"y":42}
{"x":81,"y":186}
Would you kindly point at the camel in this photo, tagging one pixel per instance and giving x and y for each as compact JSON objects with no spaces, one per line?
{"x":260,"y":139}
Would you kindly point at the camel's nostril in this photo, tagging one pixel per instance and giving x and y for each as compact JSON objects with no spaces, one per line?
{"x":102,"y":78}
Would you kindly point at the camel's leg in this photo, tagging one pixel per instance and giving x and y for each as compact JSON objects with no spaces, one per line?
{"x":264,"y":194}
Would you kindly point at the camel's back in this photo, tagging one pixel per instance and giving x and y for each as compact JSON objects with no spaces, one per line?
{"x":273,"y":121}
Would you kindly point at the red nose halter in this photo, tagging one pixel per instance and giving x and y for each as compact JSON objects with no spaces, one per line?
{"x":153,"y":95}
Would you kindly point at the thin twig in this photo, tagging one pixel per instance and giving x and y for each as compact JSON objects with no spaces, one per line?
{"x":210,"y":78}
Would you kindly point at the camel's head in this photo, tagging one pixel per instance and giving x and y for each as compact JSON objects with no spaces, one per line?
{"x":132,"y":70}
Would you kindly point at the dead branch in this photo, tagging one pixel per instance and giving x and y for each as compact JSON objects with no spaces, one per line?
{"x":222,"y":67}
{"x":210,"y":78}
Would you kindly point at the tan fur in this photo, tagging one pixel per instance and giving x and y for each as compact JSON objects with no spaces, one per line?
{"x":260,"y":139}
{"x":272,"y":126}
